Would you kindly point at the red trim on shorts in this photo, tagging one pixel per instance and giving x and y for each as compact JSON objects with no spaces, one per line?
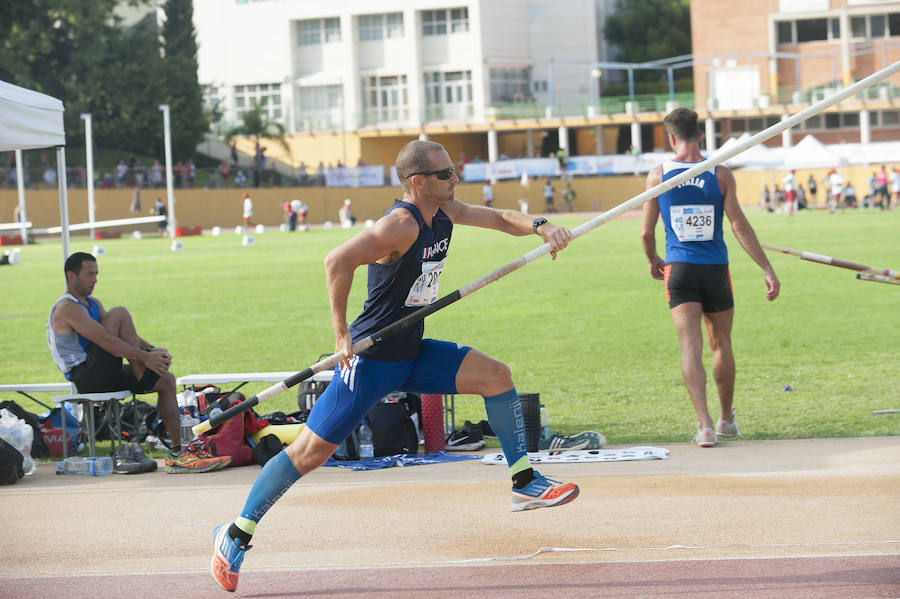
{"x":667,"y":269}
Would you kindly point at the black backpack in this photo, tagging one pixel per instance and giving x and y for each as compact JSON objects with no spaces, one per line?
{"x":10,"y":464}
{"x":393,"y":430}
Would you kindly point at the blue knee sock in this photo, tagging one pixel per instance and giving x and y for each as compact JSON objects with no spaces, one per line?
{"x":505,"y":415}
{"x":275,"y":478}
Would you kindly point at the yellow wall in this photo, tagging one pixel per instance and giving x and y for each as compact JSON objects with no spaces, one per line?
{"x":223,"y":207}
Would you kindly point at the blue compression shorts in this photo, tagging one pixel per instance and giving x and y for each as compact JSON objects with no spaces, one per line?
{"x":352,"y":392}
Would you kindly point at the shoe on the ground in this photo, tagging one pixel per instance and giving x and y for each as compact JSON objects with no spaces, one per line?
{"x":138,"y":455}
{"x":560,"y":442}
{"x":542,"y":492}
{"x":124,"y":463}
{"x":483,"y":425}
{"x":468,"y":439}
{"x":227,"y":558}
{"x":705,"y":437}
{"x":194,"y":459}
{"x":728,"y":429}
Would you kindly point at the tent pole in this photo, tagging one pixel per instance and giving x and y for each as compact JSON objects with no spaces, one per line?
{"x":63,"y":199}
{"x":20,"y":183}
{"x":89,"y":154}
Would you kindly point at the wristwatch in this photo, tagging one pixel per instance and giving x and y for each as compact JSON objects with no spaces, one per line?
{"x":537,"y":223}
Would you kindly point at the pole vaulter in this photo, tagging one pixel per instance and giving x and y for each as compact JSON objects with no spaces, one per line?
{"x":635,"y":202}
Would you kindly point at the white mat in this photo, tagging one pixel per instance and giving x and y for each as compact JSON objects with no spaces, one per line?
{"x":586,"y":455}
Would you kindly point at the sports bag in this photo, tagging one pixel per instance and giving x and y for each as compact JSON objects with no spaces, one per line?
{"x":10,"y":464}
{"x":230,"y":437}
{"x":393,"y":430}
{"x":51,"y":431}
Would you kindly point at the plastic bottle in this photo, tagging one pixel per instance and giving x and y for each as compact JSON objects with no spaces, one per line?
{"x":88,"y":466}
{"x":366,"y":447}
{"x":545,"y":423}
{"x":189,"y":417}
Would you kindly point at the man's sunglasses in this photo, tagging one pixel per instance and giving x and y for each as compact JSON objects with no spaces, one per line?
{"x":443,"y":174}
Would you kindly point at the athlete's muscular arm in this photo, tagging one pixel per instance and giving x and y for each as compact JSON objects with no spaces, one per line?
{"x":512,"y":222}
{"x":744,"y":233}
{"x":72,"y":316}
{"x":648,"y":226}
{"x":386,"y":241}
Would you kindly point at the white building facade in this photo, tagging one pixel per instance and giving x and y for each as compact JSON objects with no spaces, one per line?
{"x":355,"y":64}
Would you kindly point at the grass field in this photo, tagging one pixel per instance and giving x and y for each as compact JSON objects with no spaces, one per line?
{"x":590,"y":332}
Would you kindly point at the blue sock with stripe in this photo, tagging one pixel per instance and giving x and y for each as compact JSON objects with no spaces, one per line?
{"x":507,"y":420}
{"x":275,"y":478}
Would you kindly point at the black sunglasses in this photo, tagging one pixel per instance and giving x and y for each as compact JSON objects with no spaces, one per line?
{"x":443,"y":174}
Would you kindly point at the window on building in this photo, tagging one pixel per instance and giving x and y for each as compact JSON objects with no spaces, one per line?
{"x":835,"y":28}
{"x":785,"y":32}
{"x":858,"y":27}
{"x":379,"y":27}
{"x":832,"y":120}
{"x":332,"y":30}
{"x":371,"y":27}
{"x":385,"y":98}
{"x":876,"y":26}
{"x":850,"y":119}
{"x":309,"y":32}
{"x":249,"y":96}
{"x":894,"y":24}
{"x":434,"y":22}
{"x":459,"y":20}
{"x":394,"y":25}
{"x":813,"y":122}
{"x":313,"y":32}
{"x":890,"y":118}
{"x":812,"y":30}
{"x":510,"y":85}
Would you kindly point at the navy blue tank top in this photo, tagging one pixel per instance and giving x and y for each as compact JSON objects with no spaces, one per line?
{"x":402,"y":287}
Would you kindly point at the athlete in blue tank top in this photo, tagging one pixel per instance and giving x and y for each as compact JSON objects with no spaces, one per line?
{"x":697,"y":281}
{"x":692,"y":214}
{"x":405,"y":251}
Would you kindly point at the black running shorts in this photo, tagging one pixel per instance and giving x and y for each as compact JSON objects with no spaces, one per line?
{"x":102,"y":372}
{"x":708,"y":284}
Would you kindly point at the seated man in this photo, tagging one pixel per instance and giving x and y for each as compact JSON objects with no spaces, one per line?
{"x":88,"y":343}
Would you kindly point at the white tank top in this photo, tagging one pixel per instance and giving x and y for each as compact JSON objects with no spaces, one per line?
{"x":65,"y":348}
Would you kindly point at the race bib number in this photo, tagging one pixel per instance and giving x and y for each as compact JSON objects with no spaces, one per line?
{"x":425,"y":289}
{"x":693,"y":222}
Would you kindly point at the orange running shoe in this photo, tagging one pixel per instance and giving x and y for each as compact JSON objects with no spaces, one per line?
{"x":227,"y":558}
{"x":543,"y":492}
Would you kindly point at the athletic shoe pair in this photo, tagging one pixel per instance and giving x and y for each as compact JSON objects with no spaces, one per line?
{"x":130,"y":459}
{"x":707,"y":437}
{"x":195,"y":459}
{"x":468,"y":439}
{"x":228,"y":555}
{"x":585,"y":440}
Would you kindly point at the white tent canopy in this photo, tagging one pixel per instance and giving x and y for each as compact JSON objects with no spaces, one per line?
{"x":809,"y":153}
{"x":753,"y":158}
{"x":30,"y":120}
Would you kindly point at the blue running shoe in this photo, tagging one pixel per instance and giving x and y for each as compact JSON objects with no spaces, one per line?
{"x":543,"y":492}
{"x":227,"y":558}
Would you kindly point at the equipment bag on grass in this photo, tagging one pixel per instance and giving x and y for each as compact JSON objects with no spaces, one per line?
{"x":51,"y":430}
{"x":393,"y":430}
{"x":10,"y":464}
{"x":230,"y":438}
{"x":38,"y":448}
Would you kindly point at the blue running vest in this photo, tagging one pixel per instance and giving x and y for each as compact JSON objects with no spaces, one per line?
{"x":389,"y":286}
{"x":694,"y":200}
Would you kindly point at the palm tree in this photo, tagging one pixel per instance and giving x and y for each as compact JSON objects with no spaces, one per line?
{"x":256,"y":124}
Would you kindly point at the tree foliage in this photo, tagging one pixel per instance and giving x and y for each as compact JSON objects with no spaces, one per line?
{"x":648,"y":30}
{"x":79,"y":51}
{"x":256,"y":124}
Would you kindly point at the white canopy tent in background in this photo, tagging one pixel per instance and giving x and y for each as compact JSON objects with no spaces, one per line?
{"x":809,"y":153}
{"x":31,"y":120}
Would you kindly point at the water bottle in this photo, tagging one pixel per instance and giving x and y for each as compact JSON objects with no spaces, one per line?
{"x":366,"y":447}
{"x":545,"y":423}
{"x":186,"y":424}
{"x":87,"y":466}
